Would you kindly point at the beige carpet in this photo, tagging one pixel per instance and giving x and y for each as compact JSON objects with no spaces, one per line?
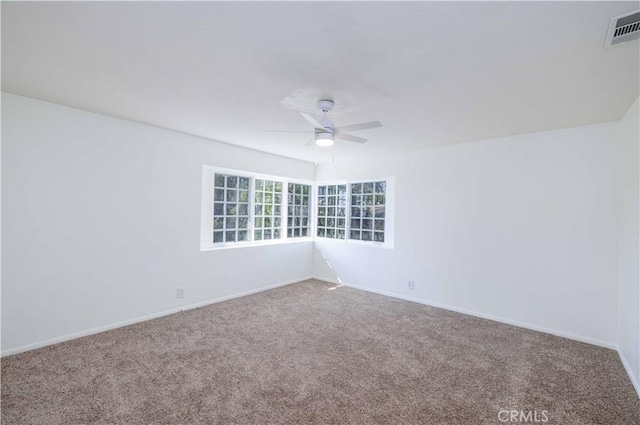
{"x":307,"y":354}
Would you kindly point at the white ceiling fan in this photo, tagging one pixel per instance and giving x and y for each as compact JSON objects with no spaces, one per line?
{"x":325,"y":132}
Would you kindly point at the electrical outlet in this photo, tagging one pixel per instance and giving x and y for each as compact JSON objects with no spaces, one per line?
{"x":180,"y":293}
{"x":410,"y":284}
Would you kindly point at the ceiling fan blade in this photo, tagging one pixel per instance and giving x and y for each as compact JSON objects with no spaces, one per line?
{"x":357,"y":127}
{"x":351,"y":138}
{"x":314,"y":122}
{"x":289,"y":131}
{"x":310,"y":142}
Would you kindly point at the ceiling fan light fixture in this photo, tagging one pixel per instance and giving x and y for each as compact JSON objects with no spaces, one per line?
{"x":324,"y":139}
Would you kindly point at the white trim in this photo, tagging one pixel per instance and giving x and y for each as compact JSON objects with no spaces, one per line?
{"x":627,"y":368}
{"x":529,"y":326}
{"x":139,"y":319}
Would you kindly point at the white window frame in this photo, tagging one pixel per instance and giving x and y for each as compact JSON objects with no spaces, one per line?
{"x":207,"y":201}
{"x":389,"y":219}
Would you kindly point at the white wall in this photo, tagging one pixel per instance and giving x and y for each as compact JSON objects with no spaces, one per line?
{"x":101,"y":223}
{"x":521,"y":228}
{"x":629,"y":264}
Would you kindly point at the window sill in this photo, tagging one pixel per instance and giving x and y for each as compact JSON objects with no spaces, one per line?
{"x":379,"y":245}
{"x":254,"y":244}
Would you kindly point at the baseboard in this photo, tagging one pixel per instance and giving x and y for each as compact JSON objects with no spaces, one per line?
{"x":478,"y":314}
{"x":632,"y":377}
{"x":244,"y":294}
{"x":139,"y":319}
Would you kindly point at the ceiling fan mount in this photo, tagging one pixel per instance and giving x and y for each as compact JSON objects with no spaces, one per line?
{"x":325,"y":105}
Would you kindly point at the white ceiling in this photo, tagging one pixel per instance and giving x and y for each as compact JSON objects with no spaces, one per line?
{"x":433,"y":72}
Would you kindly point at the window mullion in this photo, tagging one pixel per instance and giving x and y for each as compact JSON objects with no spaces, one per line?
{"x":252,"y":194}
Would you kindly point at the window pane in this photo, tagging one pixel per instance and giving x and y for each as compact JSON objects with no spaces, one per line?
{"x":328,"y":206}
{"x":267,"y":206}
{"x":226,"y":208}
{"x":299,"y":211}
{"x":242,"y":235}
{"x":367,"y":201}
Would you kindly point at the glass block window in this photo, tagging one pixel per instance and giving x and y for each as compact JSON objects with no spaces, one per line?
{"x":367,"y":211}
{"x":298,"y":220}
{"x":268,"y":210}
{"x":230,"y":208}
{"x":332,"y":209}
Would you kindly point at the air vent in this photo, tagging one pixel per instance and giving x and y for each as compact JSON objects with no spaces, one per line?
{"x":623,"y":28}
